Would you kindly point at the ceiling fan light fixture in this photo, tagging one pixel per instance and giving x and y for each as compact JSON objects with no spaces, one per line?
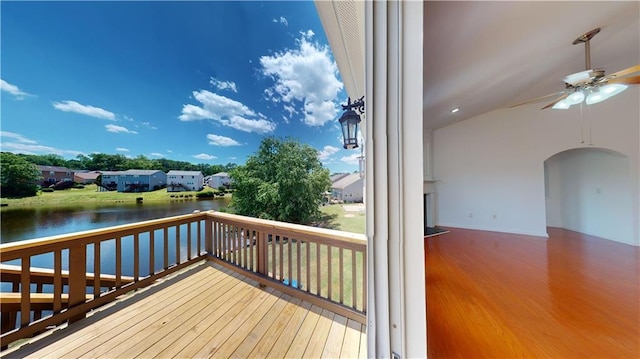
{"x":575,"y":98}
{"x":561,"y":105}
{"x":596,"y":96}
{"x":578,"y":77}
{"x":613,"y":89}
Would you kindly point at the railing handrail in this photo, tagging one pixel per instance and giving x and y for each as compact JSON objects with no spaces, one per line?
{"x":266,"y":224}
{"x":9,"y":249}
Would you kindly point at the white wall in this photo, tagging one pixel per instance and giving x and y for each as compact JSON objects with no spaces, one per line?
{"x":493,"y":164}
{"x":588,"y":192}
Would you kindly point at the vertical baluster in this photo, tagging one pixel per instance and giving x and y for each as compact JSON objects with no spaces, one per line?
{"x":318,"y":268}
{"x":308,"y":265}
{"x":57,"y":281}
{"x":246,"y":241}
{"x":298,"y":274}
{"x":37,"y":314}
{"x":152,"y":252}
{"x":199,"y":237}
{"x":273,"y":256}
{"x":136,"y":257}
{"x":97,"y":285}
{"x":25,"y":291}
{"x":252,"y":245}
{"x":364,"y":280}
{"x":178,"y":244}
{"x":209,"y":235}
{"x":354,"y":284}
{"x":234,"y":243}
{"x":225,"y":237}
{"x":281,"y":256}
{"x":289,"y":261}
{"x":341,"y":265}
{"x":166,"y":247}
{"x":118,"y":262}
{"x":329,"y":272}
{"x":189,"y":240}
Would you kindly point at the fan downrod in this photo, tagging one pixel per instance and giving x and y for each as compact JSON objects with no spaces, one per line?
{"x":587,"y":49}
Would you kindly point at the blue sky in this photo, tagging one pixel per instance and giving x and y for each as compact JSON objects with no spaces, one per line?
{"x":201,"y":82}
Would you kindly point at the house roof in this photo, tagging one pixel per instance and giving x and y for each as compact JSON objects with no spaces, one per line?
{"x":141,"y":172}
{"x":87,"y":175}
{"x":221,"y":174}
{"x":338,"y":176}
{"x":346,"y":181}
{"x":483,"y":56}
{"x":53,"y":168}
{"x":184,"y":173}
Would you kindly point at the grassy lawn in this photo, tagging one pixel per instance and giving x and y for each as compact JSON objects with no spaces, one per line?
{"x":89,"y":194}
{"x":334,"y":216}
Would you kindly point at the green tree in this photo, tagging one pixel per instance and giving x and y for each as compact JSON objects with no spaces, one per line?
{"x":283,"y":181}
{"x":18,"y":177}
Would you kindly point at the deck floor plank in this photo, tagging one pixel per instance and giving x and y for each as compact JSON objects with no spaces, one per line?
{"x":136,"y":323}
{"x":351,"y":336}
{"x":244,"y":330}
{"x":320,"y":334}
{"x":267,"y":341}
{"x":304,"y":335}
{"x":162,"y":325}
{"x":206,"y":311}
{"x":255,"y":335}
{"x":333,"y":346}
{"x":285,"y":339}
{"x":83,"y":332}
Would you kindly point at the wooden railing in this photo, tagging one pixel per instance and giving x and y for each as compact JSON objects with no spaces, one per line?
{"x":92,"y":268}
{"x":328,"y":266}
{"x":116,"y":256}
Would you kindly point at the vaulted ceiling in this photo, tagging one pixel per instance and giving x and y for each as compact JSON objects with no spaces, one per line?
{"x":481,"y":56}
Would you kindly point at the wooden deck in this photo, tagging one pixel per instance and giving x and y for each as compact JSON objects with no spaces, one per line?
{"x":497,"y":295}
{"x":206,"y":311}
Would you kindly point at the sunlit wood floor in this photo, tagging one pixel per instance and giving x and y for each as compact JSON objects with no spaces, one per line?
{"x":505,"y":296}
{"x":208,"y":311}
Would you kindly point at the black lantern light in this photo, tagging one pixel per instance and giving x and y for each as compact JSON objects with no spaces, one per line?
{"x":349,"y":122}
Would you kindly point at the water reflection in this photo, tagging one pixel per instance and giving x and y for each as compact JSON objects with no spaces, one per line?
{"x":22,"y":223}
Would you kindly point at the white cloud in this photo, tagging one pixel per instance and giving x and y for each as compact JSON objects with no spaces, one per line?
{"x":281,"y":20}
{"x":156,"y":154}
{"x":122,"y":149}
{"x":224,"y":85}
{"x":352,"y":159}
{"x":119,"y":129}
{"x":327,"y":152}
{"x":16,"y":137}
{"x":233,"y":158}
{"x":306,"y":74}
{"x":12,"y":89}
{"x":204,"y":156}
{"x":72,"y":106}
{"x":227,"y":112}
{"x":221,"y":140}
{"x":149,"y":125}
{"x":34,"y":149}
{"x":169,"y":151}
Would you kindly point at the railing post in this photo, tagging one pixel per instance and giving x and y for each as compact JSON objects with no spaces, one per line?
{"x":77,"y":278}
{"x":208,"y":235}
{"x":262,"y":252}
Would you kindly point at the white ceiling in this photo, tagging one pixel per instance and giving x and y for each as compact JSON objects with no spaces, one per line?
{"x":481,"y":56}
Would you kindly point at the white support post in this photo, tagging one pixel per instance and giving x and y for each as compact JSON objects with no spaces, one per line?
{"x":394,"y":137}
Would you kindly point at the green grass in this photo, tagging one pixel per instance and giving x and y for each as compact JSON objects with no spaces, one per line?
{"x":335,"y":217}
{"x":89,"y":194}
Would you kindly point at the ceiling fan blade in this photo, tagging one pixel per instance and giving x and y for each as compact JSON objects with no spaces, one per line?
{"x":625,"y":72}
{"x":537,"y":99}
{"x":633,"y":80}
{"x":565,"y":95}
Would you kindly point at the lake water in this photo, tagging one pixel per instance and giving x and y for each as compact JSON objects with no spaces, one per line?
{"x":21,"y":223}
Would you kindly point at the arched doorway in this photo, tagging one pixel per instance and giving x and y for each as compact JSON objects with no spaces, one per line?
{"x":588,"y":190}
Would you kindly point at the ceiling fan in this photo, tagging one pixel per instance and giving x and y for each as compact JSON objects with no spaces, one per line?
{"x":591,"y":85}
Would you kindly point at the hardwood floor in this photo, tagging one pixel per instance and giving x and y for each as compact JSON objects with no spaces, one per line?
{"x":505,"y":296}
{"x":206,"y":312}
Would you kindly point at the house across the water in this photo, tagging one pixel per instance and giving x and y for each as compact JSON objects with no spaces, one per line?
{"x":178,"y":181}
